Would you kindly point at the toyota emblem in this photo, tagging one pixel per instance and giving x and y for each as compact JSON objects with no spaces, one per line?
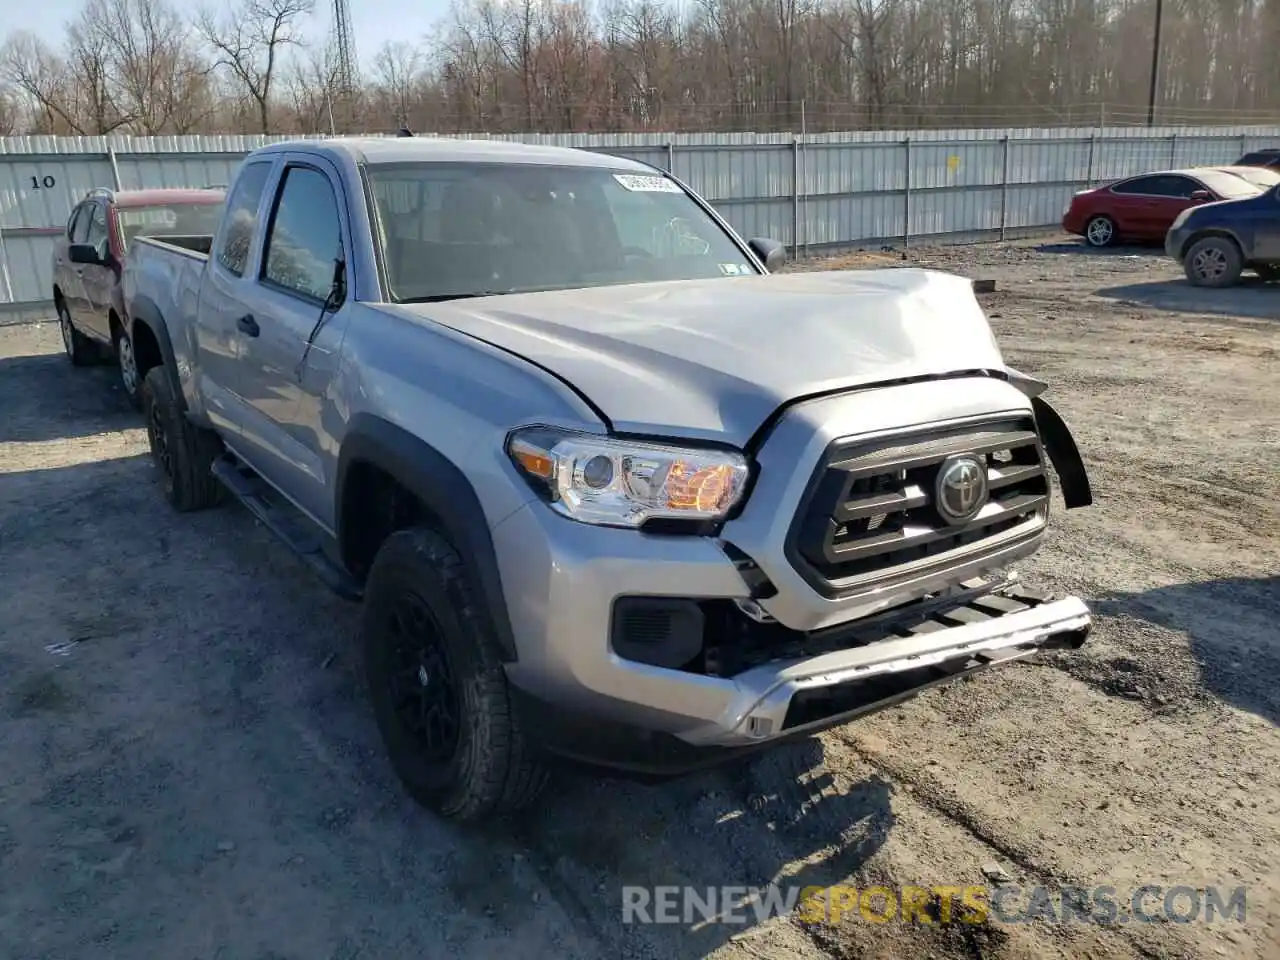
{"x":961,"y":488}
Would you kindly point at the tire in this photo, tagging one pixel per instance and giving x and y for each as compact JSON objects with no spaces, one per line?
{"x":429,"y":651}
{"x":1100,"y":232}
{"x":182,"y":452}
{"x":127,"y":363}
{"x":80,"y":350}
{"x":1213,"y":262}
{"x":1268,"y":272}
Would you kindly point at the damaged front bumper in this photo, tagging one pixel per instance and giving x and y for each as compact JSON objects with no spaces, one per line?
{"x":824,"y":679}
{"x":788,"y":697}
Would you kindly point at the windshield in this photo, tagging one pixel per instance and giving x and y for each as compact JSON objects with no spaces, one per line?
{"x":458,"y":230}
{"x":1227,"y":185}
{"x":1258,"y":176}
{"x":168,"y":220}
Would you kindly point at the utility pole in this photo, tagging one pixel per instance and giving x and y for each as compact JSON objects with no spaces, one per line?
{"x":1155,"y":65}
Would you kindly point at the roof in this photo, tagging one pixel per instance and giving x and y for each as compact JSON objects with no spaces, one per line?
{"x":376,"y":150}
{"x":143,"y":198}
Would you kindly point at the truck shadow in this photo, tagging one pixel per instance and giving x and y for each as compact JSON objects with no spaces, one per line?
{"x":1251,"y":298}
{"x":178,"y":692}
{"x":1231,"y":627}
{"x":43,"y":397}
{"x":775,"y":824}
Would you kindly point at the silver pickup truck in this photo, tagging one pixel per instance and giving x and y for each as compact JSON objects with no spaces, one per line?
{"x":608,"y":488}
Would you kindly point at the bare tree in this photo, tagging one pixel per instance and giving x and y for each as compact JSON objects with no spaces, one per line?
{"x":396,"y":71}
{"x":41,"y":76}
{"x":543,"y":65}
{"x":249,"y":44}
{"x":154,"y":64}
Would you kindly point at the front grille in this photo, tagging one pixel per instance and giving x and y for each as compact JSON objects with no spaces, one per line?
{"x":872,"y":513}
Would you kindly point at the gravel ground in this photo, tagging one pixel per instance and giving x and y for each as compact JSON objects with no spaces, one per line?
{"x":188,"y":767}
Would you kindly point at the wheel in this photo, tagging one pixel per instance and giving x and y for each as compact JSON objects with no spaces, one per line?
{"x":1100,"y":232}
{"x":1213,"y":262}
{"x":1269,"y":272}
{"x":182,"y":452}
{"x":128,"y":363}
{"x":436,"y":682}
{"x":78,"y":348}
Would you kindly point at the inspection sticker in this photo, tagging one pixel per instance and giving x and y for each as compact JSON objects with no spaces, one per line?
{"x":735,"y":269}
{"x":641,"y":184}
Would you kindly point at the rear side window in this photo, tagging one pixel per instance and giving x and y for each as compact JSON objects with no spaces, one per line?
{"x":241,"y":215}
{"x":305,"y":235}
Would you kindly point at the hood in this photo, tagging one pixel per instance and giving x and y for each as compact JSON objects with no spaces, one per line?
{"x":714,"y":359}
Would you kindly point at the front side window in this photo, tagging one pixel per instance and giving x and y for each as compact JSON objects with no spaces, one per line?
{"x":97,"y":234}
{"x":451,"y":230}
{"x":78,"y":225}
{"x":168,"y":220}
{"x":1176,"y":187}
{"x":241,"y":217}
{"x":306,"y":235}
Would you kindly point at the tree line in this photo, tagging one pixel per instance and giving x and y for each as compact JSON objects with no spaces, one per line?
{"x":151,"y":67}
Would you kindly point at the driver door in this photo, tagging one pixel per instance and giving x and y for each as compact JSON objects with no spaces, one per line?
{"x":93,"y":277}
{"x":290,"y":356}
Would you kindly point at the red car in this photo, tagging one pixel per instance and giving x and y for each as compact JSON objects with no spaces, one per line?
{"x":88,"y":256}
{"x":1144,"y":207}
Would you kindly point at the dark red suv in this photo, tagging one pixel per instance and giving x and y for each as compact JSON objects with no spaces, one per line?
{"x":88,"y":256}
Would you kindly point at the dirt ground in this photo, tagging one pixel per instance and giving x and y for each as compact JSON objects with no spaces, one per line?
{"x":188,"y":768}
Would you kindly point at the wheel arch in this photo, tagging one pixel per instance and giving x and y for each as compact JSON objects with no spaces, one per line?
{"x":152,"y":346}
{"x":375,"y":450}
{"x":1205,"y":233}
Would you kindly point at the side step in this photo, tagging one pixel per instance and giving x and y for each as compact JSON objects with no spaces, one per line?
{"x":283,"y":519}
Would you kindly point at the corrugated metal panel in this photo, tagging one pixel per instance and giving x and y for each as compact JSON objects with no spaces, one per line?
{"x":852,"y":185}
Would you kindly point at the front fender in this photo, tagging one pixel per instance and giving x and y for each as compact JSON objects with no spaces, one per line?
{"x":1063,"y":454}
{"x":446,"y":493}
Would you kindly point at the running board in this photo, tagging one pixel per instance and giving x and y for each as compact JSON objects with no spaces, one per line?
{"x":286,"y":522}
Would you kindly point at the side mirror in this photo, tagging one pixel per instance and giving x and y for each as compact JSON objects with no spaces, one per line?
{"x":1201,"y":196}
{"x":771,"y":252}
{"x":85,"y":253}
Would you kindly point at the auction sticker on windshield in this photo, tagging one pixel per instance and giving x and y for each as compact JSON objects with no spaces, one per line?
{"x":642,"y":184}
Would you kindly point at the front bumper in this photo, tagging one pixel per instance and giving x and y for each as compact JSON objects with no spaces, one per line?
{"x":797,"y":697}
{"x":1173,"y":243}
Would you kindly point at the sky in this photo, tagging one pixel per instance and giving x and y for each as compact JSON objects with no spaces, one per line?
{"x":375,"y":21}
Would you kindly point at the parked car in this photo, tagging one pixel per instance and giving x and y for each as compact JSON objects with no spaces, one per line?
{"x":1143,"y":207}
{"x":1263,"y":178}
{"x":1216,"y":242}
{"x":608,"y":487}
{"x":87,"y":261}
{"x":1266,"y":157}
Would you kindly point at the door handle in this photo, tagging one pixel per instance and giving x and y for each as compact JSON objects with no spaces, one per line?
{"x":248,"y":325}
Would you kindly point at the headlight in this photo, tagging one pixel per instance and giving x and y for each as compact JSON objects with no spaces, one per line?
{"x":1181,"y":219}
{"x":623,"y":483}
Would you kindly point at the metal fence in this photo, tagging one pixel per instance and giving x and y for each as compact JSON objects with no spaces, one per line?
{"x":816,"y":193}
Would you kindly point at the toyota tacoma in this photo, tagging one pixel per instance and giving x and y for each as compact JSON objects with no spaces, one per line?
{"x":608,"y":487}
